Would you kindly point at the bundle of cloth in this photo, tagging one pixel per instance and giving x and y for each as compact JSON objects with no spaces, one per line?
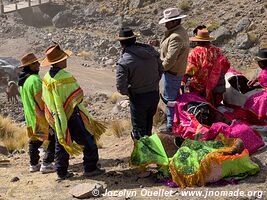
{"x":196,"y":118}
{"x":193,"y":163}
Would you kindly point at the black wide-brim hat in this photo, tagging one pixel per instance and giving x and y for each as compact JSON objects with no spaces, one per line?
{"x":126,"y":33}
{"x":261,"y":55}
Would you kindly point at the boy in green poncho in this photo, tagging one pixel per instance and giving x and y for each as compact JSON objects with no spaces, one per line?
{"x":37,"y":127}
{"x":76,"y":130}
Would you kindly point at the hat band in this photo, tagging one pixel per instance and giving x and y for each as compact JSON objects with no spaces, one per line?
{"x":204,"y":38}
{"x":171,"y":17}
{"x":58,"y":58}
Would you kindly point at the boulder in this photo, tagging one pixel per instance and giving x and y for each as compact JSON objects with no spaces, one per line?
{"x":220,"y":35}
{"x":63,"y":19}
{"x":242,"y":24}
{"x":243,"y":41}
{"x":146,"y":31}
{"x":136,"y":3}
{"x":3,"y":150}
{"x":87,"y":190}
{"x":112,"y":51}
{"x":130,"y":21}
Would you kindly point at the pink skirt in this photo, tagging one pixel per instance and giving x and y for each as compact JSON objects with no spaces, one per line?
{"x":257,"y":104}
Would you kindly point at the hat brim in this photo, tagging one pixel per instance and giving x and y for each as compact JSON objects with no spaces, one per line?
{"x":126,"y":38}
{"x":259,"y":58}
{"x":163,"y":20}
{"x":46,"y":62}
{"x":31,"y":62}
{"x":194,"y":39}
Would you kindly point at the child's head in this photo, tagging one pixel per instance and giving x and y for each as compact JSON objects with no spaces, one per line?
{"x":261,"y":58}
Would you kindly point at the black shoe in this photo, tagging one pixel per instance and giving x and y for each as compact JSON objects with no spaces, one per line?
{"x":165,"y":130}
{"x":96,"y":172}
{"x":68,"y":175}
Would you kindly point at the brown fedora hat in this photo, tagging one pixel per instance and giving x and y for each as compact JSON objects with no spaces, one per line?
{"x":28,"y":59}
{"x":202,"y":35}
{"x":55,"y":55}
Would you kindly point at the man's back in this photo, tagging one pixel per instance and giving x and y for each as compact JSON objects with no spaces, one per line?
{"x":143,"y":67}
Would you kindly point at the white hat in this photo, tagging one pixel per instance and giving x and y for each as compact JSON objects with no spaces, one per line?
{"x":171,"y":14}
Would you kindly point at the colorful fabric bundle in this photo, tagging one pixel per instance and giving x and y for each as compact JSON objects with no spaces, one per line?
{"x":196,"y":162}
{"x":187,"y":124}
{"x":149,"y":150}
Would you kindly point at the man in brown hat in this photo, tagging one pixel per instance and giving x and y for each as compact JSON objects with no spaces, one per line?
{"x":174,"y":49}
{"x":66,"y":113}
{"x":139,"y":71}
{"x":38,"y":129}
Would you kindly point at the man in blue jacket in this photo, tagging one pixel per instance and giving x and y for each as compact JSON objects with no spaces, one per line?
{"x":139,"y":71}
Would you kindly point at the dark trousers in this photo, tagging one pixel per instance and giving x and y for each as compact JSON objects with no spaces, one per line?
{"x":82,"y":137}
{"x":34,"y":145}
{"x":143,"y":107}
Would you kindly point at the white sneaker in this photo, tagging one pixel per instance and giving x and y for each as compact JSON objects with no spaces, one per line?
{"x":35,"y":168}
{"x":47,"y":168}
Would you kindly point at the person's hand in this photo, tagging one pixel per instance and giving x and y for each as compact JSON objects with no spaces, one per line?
{"x":252,"y":82}
{"x":154,"y":43}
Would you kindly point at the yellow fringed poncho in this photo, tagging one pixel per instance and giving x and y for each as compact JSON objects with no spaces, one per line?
{"x":61,"y":95}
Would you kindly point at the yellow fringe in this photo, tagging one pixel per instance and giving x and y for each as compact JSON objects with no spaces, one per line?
{"x":97,"y":129}
{"x":73,"y":149}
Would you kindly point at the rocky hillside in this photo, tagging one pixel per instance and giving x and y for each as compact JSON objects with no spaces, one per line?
{"x":89,"y":27}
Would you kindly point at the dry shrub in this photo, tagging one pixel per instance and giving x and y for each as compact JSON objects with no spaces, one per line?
{"x":119,"y":127}
{"x":213,"y":25}
{"x":85,"y":54}
{"x":192,"y":23}
{"x":185,"y":5}
{"x":252,"y":37}
{"x":86,"y":101}
{"x":115,"y":97}
{"x":12,"y":135}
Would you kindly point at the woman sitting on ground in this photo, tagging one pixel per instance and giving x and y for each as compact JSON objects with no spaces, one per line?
{"x":206,"y":67}
{"x":257,"y":103}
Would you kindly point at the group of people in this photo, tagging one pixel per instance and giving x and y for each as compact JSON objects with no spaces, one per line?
{"x":53,"y":106}
{"x":139,"y":69}
{"x":54,"y":111}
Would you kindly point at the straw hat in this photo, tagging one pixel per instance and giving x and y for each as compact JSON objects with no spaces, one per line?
{"x":28,"y":59}
{"x":171,"y":14}
{"x":126,"y":33}
{"x":202,"y":35}
{"x":55,"y":55}
{"x":261,"y":55}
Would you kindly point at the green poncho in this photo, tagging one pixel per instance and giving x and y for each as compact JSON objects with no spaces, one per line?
{"x":31,"y":93}
{"x":61,"y":95}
